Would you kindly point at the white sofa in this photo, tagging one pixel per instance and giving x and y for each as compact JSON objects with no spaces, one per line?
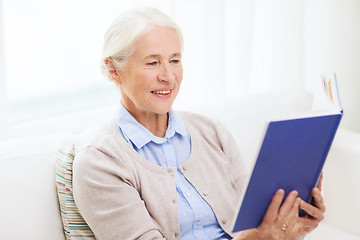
{"x":28,"y":202}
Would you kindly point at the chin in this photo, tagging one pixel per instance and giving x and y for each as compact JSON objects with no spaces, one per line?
{"x":162,"y":109}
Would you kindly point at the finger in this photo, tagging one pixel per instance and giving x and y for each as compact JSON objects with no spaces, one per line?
{"x":292,"y":217}
{"x":273,"y":209}
{"x":318,"y":200}
{"x":288,"y":204}
{"x":311,"y":210}
{"x":296,"y":206}
{"x":308,"y":224}
{"x":319,"y":185}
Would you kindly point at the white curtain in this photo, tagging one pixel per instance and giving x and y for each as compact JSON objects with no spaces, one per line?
{"x":232,"y":48}
{"x":2,"y":75}
{"x":235,"y":47}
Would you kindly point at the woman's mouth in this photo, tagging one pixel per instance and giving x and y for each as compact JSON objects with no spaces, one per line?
{"x":162,"y":92}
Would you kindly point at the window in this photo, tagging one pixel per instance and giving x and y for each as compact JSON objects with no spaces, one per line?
{"x":52,"y":53}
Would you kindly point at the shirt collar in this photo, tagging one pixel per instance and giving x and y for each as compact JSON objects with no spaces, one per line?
{"x":133,"y":131}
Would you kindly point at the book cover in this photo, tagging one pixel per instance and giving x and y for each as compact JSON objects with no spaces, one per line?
{"x":291,"y":157}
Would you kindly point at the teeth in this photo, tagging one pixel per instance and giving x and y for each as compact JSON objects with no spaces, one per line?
{"x":164,"y":92}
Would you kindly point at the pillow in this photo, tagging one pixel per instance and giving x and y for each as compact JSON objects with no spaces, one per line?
{"x":74,"y":225}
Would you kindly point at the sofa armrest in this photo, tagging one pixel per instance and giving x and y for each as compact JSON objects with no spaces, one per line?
{"x":341,"y":179}
{"x":28,"y":205}
{"x":328,"y":232}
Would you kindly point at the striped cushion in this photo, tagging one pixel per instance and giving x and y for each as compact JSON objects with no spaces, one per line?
{"x":75,"y":227}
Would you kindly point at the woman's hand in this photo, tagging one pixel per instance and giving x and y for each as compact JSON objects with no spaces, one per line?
{"x":315,"y":212}
{"x":282,"y":222}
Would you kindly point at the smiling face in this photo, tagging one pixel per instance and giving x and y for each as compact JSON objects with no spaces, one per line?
{"x":151,"y":79}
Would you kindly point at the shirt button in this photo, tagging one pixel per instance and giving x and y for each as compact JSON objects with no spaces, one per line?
{"x":173,"y":201}
{"x":188,"y":194}
{"x":184,"y":168}
{"x":205,"y":193}
{"x":169,"y":170}
{"x":223,"y":221}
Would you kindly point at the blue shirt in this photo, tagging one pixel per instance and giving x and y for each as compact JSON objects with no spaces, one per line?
{"x":197,"y":219}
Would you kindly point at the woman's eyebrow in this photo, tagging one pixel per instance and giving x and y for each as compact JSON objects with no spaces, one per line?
{"x":152,"y":56}
{"x":157,"y":56}
{"x":176,"y":55}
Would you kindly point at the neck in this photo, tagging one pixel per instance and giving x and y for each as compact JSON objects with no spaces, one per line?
{"x":156,"y":123}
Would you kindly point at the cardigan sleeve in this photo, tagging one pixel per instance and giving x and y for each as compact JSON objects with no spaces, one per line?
{"x":106,"y":197}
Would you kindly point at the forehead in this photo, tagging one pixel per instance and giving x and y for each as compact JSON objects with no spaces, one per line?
{"x":161,"y":41}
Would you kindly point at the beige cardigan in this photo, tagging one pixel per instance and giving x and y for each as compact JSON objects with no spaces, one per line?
{"x":123,"y":196}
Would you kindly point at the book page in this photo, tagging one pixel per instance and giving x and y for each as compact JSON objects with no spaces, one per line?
{"x":331,"y":90}
{"x":329,"y":101}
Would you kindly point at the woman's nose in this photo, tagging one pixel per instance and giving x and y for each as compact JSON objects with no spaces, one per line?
{"x":166,"y":74}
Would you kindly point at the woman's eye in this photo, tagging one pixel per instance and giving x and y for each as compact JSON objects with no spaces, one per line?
{"x":175,"y":61}
{"x":151,"y":63}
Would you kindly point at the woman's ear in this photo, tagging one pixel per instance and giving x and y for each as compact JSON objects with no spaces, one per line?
{"x":114,"y":72}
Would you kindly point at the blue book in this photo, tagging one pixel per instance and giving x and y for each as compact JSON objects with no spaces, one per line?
{"x":291,"y":157}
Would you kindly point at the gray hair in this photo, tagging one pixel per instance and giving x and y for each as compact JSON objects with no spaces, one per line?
{"x":124,"y":31}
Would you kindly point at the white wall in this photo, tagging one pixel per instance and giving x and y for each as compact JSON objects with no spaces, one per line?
{"x":238,"y":31}
{"x":203,"y":56}
{"x":332,"y":43}
{"x":277,"y":45}
{"x":293,"y":42}
{"x":234,"y":48}
{"x":2,"y":70}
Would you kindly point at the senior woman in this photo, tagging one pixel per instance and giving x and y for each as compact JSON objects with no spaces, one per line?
{"x":153,"y":173}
